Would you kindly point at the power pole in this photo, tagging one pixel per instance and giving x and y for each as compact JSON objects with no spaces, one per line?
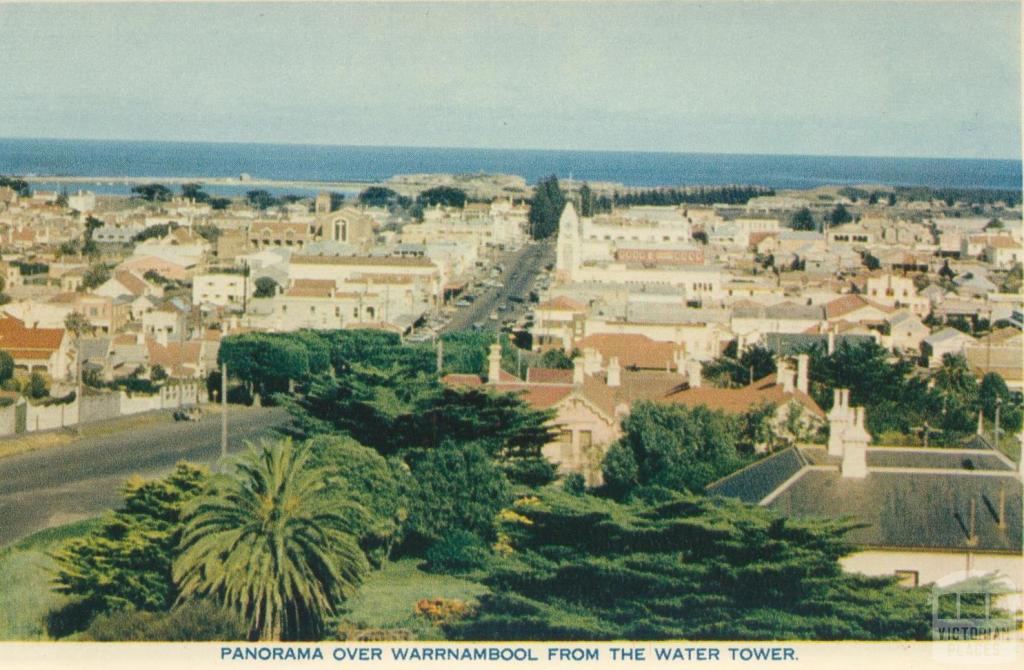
{"x":223,"y":410}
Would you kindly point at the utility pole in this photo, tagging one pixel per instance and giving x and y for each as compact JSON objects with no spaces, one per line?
{"x":999,"y":404}
{"x":223,"y":410}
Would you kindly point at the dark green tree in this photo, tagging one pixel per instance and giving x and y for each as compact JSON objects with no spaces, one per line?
{"x":803,"y":220}
{"x":583,"y":568}
{"x":153,"y":192}
{"x":546,"y":208}
{"x":261,"y":200}
{"x":378,"y":196}
{"x":6,"y":366}
{"x":37,"y":387}
{"x":126,"y":562}
{"x":369,"y":491}
{"x":457,"y":487}
{"x":728,"y":370}
{"x":586,"y":200}
{"x":266,"y":287}
{"x":266,"y":363}
{"x":672,"y":447}
{"x":555,"y":358}
{"x":447,"y":196}
{"x":195,"y":191}
{"x":839,"y":216}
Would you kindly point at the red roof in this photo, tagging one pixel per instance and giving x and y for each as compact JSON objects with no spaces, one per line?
{"x":740,"y":400}
{"x":548,"y":376}
{"x":561,"y":303}
{"x":14,"y":336}
{"x":633,"y":351}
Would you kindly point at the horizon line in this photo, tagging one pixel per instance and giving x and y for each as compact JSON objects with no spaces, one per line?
{"x":513,"y":149}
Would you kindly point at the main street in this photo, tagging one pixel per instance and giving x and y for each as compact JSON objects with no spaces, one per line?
{"x":521,"y":269}
{"x":74,"y":481}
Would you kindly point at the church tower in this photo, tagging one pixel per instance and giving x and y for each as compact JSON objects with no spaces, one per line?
{"x":568,"y":253}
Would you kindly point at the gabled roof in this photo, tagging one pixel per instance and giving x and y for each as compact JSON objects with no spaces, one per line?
{"x":740,"y":400}
{"x":633,"y":351}
{"x":15,"y":337}
{"x":851,"y":303}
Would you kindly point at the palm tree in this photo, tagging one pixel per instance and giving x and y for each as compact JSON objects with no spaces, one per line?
{"x":265,"y":542}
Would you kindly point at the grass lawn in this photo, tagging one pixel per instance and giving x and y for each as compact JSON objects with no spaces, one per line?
{"x":25,"y":573}
{"x":387,"y":597}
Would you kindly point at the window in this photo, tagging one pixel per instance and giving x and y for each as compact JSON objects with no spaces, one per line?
{"x":586,"y":439}
{"x":907,"y":578}
{"x":565,"y":445}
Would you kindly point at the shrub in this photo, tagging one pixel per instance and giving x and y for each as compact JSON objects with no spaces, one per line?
{"x":457,"y":552}
{"x":193,"y":621}
{"x":574,"y":483}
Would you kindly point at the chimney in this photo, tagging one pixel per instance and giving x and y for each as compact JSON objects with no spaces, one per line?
{"x":855,"y":447}
{"x":578,"y":371}
{"x":831,"y":343}
{"x":614,"y":372}
{"x":494,"y":364}
{"x":591,"y":360}
{"x":838,"y":421}
{"x":802,"y":363}
{"x":694,"y":374}
{"x":785,"y":375}
{"x":679,"y":358}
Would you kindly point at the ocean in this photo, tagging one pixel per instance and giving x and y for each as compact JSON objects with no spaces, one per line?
{"x":361,"y":163}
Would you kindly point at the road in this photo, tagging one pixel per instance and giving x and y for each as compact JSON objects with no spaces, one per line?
{"x":521,"y":268}
{"x":66,"y":483}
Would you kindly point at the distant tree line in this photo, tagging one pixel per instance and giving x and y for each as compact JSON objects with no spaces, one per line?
{"x":971,"y":196}
{"x":16,"y":184}
{"x":703,"y":195}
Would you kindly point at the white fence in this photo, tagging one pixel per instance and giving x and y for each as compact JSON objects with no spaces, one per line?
{"x":25,"y":417}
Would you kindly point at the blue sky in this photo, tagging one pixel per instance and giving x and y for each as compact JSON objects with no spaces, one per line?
{"x":880,"y":78}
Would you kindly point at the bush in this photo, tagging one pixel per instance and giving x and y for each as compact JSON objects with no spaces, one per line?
{"x":574,"y":483}
{"x":37,"y":386}
{"x":194,"y":621}
{"x":532,"y":472}
{"x":457,"y":552}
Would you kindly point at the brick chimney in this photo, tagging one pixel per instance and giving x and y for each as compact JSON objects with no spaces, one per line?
{"x":855,"y":447}
{"x":614,"y":372}
{"x":802,"y":372}
{"x":591,"y":360}
{"x":494,"y":364}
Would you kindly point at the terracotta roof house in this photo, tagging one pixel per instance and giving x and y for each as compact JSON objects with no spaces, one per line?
{"x":44,"y":349}
{"x":588,"y":407}
{"x":786,"y":391}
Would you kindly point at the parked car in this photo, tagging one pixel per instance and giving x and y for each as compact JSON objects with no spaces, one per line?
{"x":188,"y":414}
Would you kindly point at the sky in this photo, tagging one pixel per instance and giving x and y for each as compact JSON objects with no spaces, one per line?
{"x":822,"y":78}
